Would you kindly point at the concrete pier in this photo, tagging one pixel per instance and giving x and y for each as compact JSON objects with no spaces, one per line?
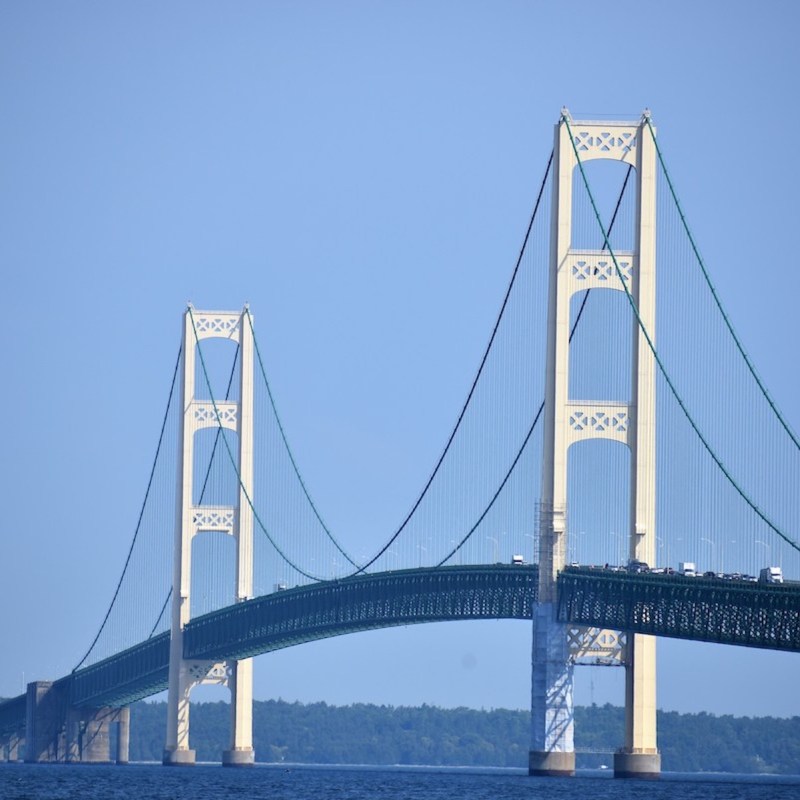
{"x":637,"y":765}
{"x":56,"y":732}
{"x":45,"y":723}
{"x":12,"y":749}
{"x":123,"y":735}
{"x":551,"y":764}
{"x":178,"y":757}
{"x":239,"y":758}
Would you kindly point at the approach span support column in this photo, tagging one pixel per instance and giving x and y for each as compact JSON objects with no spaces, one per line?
{"x":123,"y":736}
{"x":192,"y":520}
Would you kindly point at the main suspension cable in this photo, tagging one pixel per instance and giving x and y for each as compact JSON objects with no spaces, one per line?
{"x":141,"y":512}
{"x":427,"y":486}
{"x":499,"y":488}
{"x":235,"y":466}
{"x":541,"y":406}
{"x":725,"y":318}
{"x":289,"y":449}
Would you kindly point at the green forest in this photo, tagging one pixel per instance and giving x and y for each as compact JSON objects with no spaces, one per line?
{"x":369,"y":734}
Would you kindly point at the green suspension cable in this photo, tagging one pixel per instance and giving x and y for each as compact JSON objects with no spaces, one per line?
{"x":728,"y":324}
{"x":513,"y":466}
{"x":759,"y":513}
{"x":471,"y":392}
{"x":235,"y":466}
{"x":141,"y":511}
{"x":499,"y":489}
{"x":289,"y":449}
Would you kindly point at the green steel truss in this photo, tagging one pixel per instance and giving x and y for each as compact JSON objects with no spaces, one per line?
{"x":317,"y":611}
{"x":704,"y":609}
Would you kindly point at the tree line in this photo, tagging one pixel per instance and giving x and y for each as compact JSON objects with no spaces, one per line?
{"x":319,"y":733}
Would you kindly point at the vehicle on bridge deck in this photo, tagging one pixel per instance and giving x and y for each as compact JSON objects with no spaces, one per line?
{"x":771,"y":575}
{"x":688,"y":569}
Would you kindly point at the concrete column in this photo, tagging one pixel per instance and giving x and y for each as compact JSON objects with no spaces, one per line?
{"x":56,"y":732}
{"x":72,"y":751}
{"x":12,"y":748}
{"x":88,"y":735}
{"x":123,"y":735}
{"x":45,"y":726}
{"x":96,"y":735}
{"x":15,"y":748}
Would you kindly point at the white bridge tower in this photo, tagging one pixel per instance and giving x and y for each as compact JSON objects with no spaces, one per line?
{"x":569,"y":420}
{"x":191,"y":520}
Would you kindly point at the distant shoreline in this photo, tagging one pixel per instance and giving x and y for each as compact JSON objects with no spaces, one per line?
{"x":294,"y":735}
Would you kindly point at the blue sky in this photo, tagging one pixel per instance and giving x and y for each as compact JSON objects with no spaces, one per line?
{"x":362,"y":174}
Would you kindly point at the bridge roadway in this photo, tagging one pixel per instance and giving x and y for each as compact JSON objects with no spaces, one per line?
{"x":703,"y":609}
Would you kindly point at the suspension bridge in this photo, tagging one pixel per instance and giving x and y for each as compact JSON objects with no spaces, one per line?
{"x":609,"y":479}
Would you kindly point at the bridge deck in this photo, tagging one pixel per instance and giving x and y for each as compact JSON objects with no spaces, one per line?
{"x":703,"y":609}
{"x":318,"y":611}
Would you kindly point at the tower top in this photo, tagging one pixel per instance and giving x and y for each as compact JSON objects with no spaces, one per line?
{"x":567,"y":116}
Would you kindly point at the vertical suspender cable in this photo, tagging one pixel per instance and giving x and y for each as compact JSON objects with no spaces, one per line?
{"x":660,"y":364}
{"x":739,"y":346}
{"x":141,"y":512}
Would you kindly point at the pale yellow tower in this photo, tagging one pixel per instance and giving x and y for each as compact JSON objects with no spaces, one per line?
{"x":569,"y":420}
{"x":191,"y":520}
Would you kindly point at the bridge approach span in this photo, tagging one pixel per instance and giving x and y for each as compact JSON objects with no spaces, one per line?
{"x":319,"y":611}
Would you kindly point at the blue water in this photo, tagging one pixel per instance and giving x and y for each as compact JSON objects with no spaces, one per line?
{"x":146,"y":782}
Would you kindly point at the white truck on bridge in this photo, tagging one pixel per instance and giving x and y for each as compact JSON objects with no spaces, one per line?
{"x":771,"y":575}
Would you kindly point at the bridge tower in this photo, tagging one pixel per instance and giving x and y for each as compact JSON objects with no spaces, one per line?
{"x":192,"y":520}
{"x":569,"y":420}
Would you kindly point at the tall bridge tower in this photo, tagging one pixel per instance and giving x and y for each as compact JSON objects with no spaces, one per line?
{"x":569,"y":420}
{"x":192,"y":520}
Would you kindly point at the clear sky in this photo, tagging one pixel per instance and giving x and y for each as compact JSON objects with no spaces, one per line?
{"x":362,"y":174}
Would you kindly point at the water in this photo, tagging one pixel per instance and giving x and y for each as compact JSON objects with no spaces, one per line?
{"x":154,"y":782}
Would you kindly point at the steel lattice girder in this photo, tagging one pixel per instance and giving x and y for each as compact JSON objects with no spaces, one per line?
{"x":123,"y":678}
{"x":363,"y":603}
{"x":702,"y":609}
{"x":730,"y":612}
{"x":318,"y":611}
